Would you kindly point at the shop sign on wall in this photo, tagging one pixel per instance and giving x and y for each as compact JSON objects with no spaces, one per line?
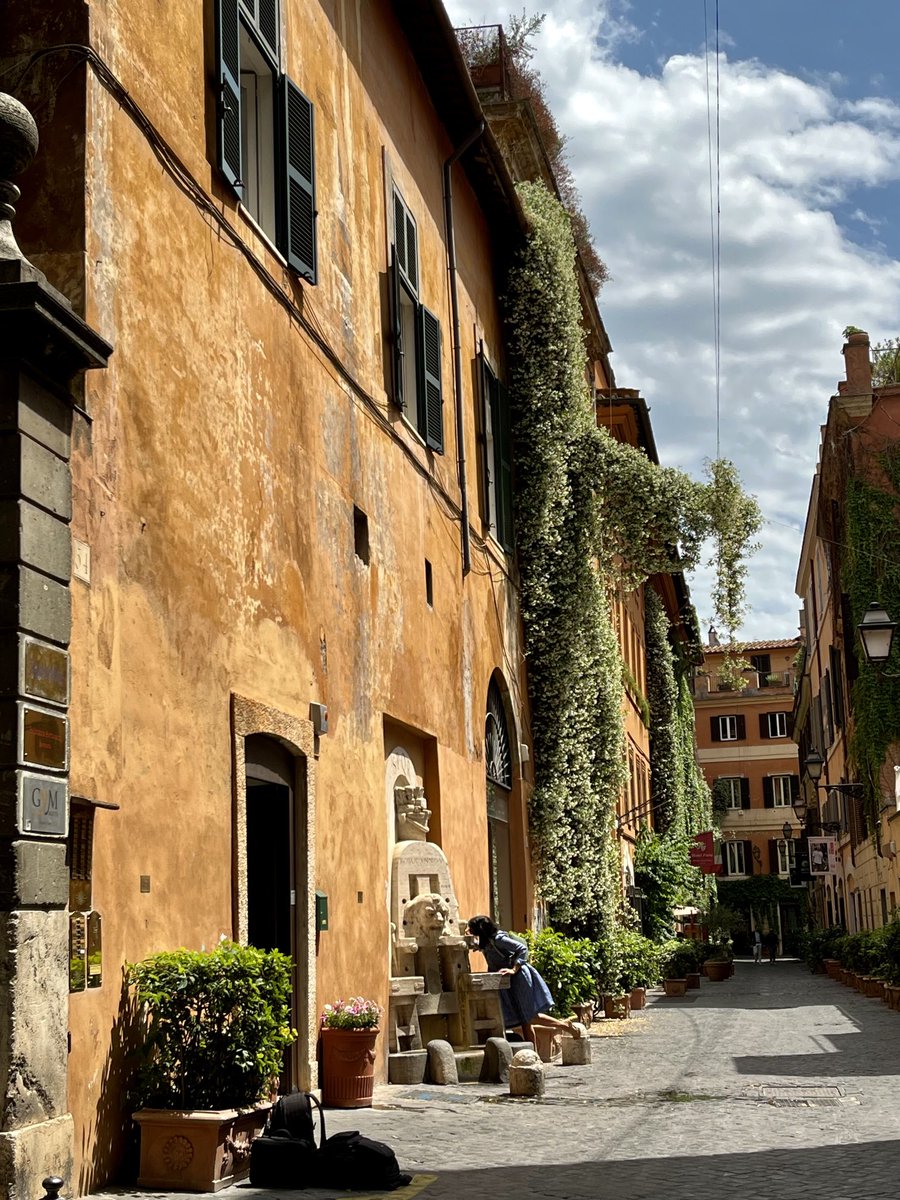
{"x":44,"y":671}
{"x":43,"y":738}
{"x":43,"y":805}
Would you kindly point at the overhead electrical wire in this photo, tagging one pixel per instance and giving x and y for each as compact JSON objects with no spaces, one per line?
{"x":715,"y":213}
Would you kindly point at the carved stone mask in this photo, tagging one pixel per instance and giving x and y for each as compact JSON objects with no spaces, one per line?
{"x":425,"y":918}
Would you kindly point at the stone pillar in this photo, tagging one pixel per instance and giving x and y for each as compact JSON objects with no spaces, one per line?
{"x":44,"y":347}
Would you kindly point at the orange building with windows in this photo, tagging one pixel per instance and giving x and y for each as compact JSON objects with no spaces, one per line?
{"x":746,"y":752}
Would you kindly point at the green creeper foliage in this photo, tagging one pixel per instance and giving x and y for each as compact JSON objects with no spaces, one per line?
{"x":217,"y":1023}
{"x":870,"y":572}
{"x":591,"y":513}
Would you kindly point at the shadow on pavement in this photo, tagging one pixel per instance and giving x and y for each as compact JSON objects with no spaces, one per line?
{"x":867,"y":1169}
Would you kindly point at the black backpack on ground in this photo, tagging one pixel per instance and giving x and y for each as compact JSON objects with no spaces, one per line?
{"x":285,"y":1155}
{"x":357,"y":1163}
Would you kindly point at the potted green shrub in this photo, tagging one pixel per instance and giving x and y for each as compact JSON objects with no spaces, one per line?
{"x":216,"y":1024}
{"x":677,"y":961}
{"x":349,"y":1032}
{"x":640,"y":965}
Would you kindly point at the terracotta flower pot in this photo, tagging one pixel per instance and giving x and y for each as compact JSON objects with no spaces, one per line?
{"x":693,"y":979}
{"x":617,"y":1007}
{"x":638,"y":998}
{"x":198,"y":1151}
{"x":348,"y":1067}
{"x":717,"y":970}
{"x":675,"y":987}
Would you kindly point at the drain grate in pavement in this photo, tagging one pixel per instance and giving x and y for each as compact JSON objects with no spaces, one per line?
{"x":823,"y":1095}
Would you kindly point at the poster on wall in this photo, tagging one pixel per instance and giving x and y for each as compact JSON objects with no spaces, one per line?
{"x":822,"y":855}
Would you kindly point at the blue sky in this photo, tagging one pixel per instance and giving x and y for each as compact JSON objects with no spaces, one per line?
{"x":810,"y":187}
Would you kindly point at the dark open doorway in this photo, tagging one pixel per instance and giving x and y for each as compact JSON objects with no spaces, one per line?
{"x":271,"y":888}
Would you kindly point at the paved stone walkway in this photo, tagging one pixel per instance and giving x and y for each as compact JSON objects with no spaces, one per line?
{"x":775,"y":1084}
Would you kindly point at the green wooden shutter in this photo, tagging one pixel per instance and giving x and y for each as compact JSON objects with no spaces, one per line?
{"x":773,"y":856}
{"x":763,"y":725}
{"x":745,"y":793}
{"x":488,"y":380}
{"x":431,"y":400}
{"x":741,"y":727}
{"x":768,"y":792}
{"x":397,"y":347}
{"x":795,"y":788}
{"x":400,"y":233}
{"x":715,"y":730}
{"x":298,"y":241}
{"x":228,"y":74}
{"x":503,"y":468}
{"x":268,"y":24}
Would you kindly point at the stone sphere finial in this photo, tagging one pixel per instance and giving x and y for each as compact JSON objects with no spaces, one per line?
{"x":18,"y":146}
{"x":18,"y":137}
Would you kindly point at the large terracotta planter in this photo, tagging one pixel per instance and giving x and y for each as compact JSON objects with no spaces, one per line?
{"x":892,"y":995}
{"x":197,"y":1151}
{"x":675,"y":987}
{"x":833,"y":967}
{"x":638,"y":998}
{"x":693,"y":979}
{"x":348,"y":1067}
{"x":717,"y":970}
{"x":617,"y":1007}
{"x":584,"y":1013}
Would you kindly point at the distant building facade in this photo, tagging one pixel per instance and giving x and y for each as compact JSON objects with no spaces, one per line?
{"x":750,"y":761}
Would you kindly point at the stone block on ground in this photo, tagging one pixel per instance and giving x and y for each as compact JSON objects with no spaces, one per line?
{"x":441,"y":1063}
{"x":407,"y":1066}
{"x":576,"y":1051}
{"x":526,"y":1074}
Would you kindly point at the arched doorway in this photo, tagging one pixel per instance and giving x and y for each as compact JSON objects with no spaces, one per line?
{"x":498,"y":784}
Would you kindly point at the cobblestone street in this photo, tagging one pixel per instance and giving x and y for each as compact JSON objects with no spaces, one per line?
{"x":775,"y":1083}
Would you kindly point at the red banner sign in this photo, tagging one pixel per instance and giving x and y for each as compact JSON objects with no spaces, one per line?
{"x":703,"y":854}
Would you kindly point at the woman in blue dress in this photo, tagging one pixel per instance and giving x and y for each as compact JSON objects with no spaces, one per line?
{"x":526,"y":1001}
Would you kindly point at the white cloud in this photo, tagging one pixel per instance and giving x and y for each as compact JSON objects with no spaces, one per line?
{"x":791,"y":277}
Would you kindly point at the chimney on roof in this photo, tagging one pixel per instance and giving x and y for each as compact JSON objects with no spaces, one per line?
{"x":713,"y":636}
{"x":858,"y":365}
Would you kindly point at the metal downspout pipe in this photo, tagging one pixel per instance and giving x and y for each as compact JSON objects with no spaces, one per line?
{"x":457,"y":355}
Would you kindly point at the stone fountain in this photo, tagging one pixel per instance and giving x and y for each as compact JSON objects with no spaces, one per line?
{"x":433,"y":994}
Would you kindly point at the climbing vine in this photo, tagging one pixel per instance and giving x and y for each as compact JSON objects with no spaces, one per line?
{"x":872,"y":572}
{"x":591,"y":513}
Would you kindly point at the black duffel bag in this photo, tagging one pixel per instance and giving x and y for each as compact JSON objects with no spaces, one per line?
{"x":285,"y":1154}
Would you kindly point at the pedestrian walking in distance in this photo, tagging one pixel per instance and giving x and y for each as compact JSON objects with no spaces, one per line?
{"x":528,"y":997}
{"x":757,"y":946}
{"x":772,"y":945}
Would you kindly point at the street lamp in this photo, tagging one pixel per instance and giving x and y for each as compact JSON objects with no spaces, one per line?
{"x":800,"y":806}
{"x":787,"y":831}
{"x":876,"y":631}
{"x":814,"y":763}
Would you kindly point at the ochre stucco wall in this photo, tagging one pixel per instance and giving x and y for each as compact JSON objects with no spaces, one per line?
{"x":215,"y":488}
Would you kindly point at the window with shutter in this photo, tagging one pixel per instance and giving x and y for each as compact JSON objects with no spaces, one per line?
{"x":741,"y":727}
{"x":266,"y":143}
{"x":497,"y":455}
{"x":431,"y":401}
{"x":768,"y":792}
{"x":416,"y":335}
{"x":299,"y":213}
{"x":745,"y":793}
{"x":734,"y":859}
{"x":781,"y":790}
{"x":726,"y":729}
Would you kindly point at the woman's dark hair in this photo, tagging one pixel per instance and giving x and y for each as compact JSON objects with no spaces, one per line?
{"x":483,"y":928}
